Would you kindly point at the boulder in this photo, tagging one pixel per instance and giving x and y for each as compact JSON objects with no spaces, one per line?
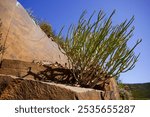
{"x":114,"y":89}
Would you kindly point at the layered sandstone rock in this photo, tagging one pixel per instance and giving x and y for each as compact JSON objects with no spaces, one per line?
{"x":16,"y":72}
{"x":13,"y":88}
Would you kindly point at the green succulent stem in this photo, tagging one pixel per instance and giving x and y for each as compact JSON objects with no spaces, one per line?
{"x":98,"y":50}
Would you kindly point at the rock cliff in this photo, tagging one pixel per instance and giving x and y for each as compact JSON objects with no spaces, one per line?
{"x":23,"y":74}
{"x":24,"y":39}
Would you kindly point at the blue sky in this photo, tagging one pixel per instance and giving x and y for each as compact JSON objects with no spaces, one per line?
{"x":65,"y":12}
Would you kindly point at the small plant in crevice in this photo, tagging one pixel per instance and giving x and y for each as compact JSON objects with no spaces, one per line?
{"x":98,"y":51}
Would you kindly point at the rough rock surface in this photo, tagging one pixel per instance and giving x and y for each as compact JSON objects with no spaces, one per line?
{"x":111,"y":90}
{"x":12,"y":88}
{"x":17,"y":83}
{"x":24,"y":39}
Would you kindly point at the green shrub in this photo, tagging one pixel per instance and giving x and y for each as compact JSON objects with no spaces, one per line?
{"x":98,"y":50}
{"x":46,"y":27}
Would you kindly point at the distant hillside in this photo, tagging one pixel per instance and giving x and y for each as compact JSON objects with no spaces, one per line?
{"x":140,"y":91}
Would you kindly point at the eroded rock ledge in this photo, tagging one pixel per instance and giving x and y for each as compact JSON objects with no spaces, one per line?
{"x":16,"y":83}
{"x":20,"y":89}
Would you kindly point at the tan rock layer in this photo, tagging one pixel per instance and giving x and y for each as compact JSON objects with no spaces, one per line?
{"x":23,"y":39}
{"x":19,"y":89}
{"x":19,"y":69}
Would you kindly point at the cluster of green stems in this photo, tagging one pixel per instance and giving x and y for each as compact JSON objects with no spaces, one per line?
{"x":97,"y":50}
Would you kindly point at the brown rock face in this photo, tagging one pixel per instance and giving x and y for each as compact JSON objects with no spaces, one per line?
{"x":24,"y":39}
{"x":17,"y":83}
{"x":111,"y":90}
{"x":19,"y":89}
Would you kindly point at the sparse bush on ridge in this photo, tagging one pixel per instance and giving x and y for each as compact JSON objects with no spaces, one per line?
{"x":45,"y":26}
{"x":98,"y":50}
{"x":31,"y":14}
